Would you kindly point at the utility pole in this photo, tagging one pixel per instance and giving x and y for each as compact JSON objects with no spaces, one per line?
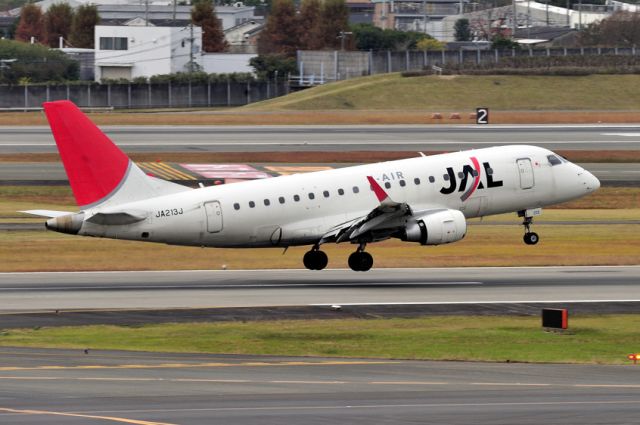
{"x":515,"y":23}
{"x":175,"y":6}
{"x":146,"y":13}
{"x":191,"y":47}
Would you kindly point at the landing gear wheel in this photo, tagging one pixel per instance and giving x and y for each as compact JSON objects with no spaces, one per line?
{"x":531,"y":238}
{"x":315,"y":260}
{"x":360,"y":261}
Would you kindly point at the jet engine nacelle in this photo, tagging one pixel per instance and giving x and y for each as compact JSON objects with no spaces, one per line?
{"x":435,"y":228}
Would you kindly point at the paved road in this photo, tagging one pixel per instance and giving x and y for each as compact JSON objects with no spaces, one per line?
{"x":338,"y":138}
{"x":627,"y":174}
{"x":201,"y":289}
{"x":39,"y":386}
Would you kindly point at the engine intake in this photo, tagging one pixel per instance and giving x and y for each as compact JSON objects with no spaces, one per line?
{"x":435,"y":228}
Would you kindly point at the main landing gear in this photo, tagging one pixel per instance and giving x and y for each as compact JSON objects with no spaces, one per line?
{"x":315,"y":259}
{"x":360,"y":261}
{"x":530,"y":238}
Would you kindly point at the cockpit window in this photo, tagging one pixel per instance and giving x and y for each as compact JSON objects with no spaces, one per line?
{"x":554,"y":160}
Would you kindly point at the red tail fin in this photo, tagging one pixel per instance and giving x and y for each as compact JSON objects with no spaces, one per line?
{"x":94,"y":165}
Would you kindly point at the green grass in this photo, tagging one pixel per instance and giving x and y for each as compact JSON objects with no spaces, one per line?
{"x":593,"y":339}
{"x":512,"y":93}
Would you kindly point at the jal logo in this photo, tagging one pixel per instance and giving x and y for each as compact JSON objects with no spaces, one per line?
{"x":470,"y":179}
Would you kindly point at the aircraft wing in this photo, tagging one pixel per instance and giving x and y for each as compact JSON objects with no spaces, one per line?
{"x":383,"y":221}
{"x":47,"y":213}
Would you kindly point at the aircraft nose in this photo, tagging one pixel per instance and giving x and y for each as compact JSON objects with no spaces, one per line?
{"x":591,"y":182}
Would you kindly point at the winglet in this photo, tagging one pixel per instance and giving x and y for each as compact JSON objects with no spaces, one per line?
{"x":380,"y":193}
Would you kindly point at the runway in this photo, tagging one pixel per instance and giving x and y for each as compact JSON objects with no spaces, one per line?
{"x":69,"y":387}
{"x":22,"y":292}
{"x":609,"y":174}
{"x":338,"y":138}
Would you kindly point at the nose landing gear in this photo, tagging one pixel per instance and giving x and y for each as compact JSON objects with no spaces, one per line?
{"x":530,"y":238}
{"x":315,"y":259}
{"x":360,"y":261}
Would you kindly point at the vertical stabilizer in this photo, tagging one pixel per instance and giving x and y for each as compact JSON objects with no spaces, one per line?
{"x":100,"y":174}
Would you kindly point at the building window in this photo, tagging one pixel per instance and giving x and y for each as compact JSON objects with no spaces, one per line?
{"x":114,"y":43}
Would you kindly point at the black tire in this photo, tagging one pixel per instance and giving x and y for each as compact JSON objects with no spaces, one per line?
{"x":526,"y":239}
{"x":321,"y":260}
{"x":309,"y":260}
{"x":366,"y":261}
{"x":360,"y":261}
{"x":354,"y":262}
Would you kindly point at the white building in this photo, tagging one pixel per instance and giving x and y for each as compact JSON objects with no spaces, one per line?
{"x":135,"y":50}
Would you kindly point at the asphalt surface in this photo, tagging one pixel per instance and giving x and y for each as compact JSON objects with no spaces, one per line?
{"x":338,"y":138}
{"x":625,"y":174}
{"x":39,"y":386}
{"x":21,"y":292}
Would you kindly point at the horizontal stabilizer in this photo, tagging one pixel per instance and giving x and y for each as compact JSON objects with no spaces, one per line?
{"x":47,"y":213}
{"x":115,"y":218}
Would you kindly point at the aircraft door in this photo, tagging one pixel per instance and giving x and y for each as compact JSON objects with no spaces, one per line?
{"x":214,"y":216}
{"x":525,"y":170}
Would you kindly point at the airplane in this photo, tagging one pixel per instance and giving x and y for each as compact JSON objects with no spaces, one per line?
{"x":425,"y":199}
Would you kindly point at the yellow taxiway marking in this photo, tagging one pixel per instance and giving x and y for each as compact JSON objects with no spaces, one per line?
{"x":194,"y":365}
{"x":79,"y":415}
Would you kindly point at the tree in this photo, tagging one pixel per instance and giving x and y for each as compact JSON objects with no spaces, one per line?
{"x":203,"y":15}
{"x":35,"y":63}
{"x":368,"y":37}
{"x":310,"y":24}
{"x":266,"y":66}
{"x":622,"y":29}
{"x":430,"y":44}
{"x":57,"y":22}
{"x":462,"y":30}
{"x":31,"y":24}
{"x":83,"y":27}
{"x":281,"y":34}
{"x":503,"y":43}
{"x":335,"y":22}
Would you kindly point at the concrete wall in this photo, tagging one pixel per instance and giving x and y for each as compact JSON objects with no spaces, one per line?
{"x":226,"y":63}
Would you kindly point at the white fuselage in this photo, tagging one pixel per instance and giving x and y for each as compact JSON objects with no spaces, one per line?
{"x":299,"y":209}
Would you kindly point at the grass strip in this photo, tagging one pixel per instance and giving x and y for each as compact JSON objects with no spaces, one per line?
{"x":487,"y":245}
{"x":593,"y":339}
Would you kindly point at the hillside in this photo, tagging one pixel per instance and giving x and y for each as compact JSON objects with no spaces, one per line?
{"x":451,"y":93}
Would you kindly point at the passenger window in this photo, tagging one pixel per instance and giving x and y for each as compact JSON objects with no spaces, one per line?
{"x":474,"y":173}
{"x":356,"y":189}
{"x":311,"y":195}
{"x":402,"y":183}
{"x":267,"y":202}
{"x":340,"y":192}
{"x":387,"y":185}
{"x":489,"y":171}
{"x":416,"y":181}
{"x":432,"y":179}
{"x":554,"y":160}
{"x":252,"y":204}
{"x":296,"y":198}
{"x":445,"y":177}
{"x":236,"y":206}
{"x":460,"y":174}
{"x":326,"y":193}
{"x":281,"y":199}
